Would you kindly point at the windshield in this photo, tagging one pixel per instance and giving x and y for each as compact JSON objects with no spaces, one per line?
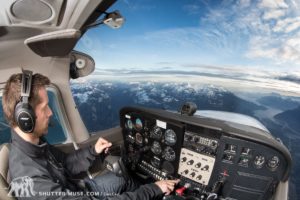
{"x":238,"y":56}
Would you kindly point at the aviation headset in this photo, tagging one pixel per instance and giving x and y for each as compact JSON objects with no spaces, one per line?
{"x":24,"y":114}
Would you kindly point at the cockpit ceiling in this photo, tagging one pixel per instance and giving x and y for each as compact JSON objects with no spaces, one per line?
{"x":23,"y":19}
{"x":56,"y":15}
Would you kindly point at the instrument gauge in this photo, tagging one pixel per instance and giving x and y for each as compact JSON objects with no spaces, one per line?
{"x":156,"y":133}
{"x":273,"y":163}
{"x":138,"y":138}
{"x":156,"y":148}
{"x":169,"y":154}
{"x":138,"y":124}
{"x":129,"y":124}
{"x":155,"y":162}
{"x":259,"y":161}
{"x":170,"y":137}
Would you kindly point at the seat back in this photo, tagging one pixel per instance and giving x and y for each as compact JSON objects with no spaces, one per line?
{"x":4,"y":175}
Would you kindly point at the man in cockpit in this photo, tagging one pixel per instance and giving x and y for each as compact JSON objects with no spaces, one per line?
{"x":49,"y":169}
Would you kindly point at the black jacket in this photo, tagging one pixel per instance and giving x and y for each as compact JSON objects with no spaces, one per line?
{"x":51,"y":171}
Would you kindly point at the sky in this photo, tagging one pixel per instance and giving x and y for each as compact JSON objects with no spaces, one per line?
{"x":242,"y":39}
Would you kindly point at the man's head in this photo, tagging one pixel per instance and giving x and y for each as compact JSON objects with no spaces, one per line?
{"x":38,"y":100}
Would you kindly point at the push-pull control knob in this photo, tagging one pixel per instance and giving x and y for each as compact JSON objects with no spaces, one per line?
{"x":180,"y":191}
{"x":205,"y":168}
{"x":183,"y":159}
{"x":190,"y":162}
{"x":198,"y":165}
{"x":192,"y":174}
{"x":186,"y":171}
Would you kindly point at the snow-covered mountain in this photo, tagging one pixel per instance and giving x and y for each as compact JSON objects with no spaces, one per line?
{"x":100,"y":102}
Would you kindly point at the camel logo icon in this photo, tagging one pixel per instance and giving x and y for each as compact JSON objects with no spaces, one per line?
{"x":21,"y":187}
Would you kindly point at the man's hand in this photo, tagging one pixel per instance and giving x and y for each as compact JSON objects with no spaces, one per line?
{"x":102,"y":144}
{"x":167,"y":186}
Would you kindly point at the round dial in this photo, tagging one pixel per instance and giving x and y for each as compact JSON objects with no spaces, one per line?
{"x":169,"y":154}
{"x":273,"y":163}
{"x":170,"y":137}
{"x":138,"y":138}
{"x":129,"y":124}
{"x":259,"y":160}
{"x":138,"y":124}
{"x":156,"y":148}
{"x":156,"y":133}
{"x":155,"y":161}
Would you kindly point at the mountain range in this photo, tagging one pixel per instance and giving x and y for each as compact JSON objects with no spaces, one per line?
{"x":99,"y":104}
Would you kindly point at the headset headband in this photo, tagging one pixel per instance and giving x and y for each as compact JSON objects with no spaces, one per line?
{"x":26,"y":85}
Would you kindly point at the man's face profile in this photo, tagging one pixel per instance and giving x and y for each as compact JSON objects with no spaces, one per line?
{"x":43,"y":113}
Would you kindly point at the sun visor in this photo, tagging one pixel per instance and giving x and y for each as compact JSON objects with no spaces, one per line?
{"x":81,"y":64}
{"x":57,"y":43}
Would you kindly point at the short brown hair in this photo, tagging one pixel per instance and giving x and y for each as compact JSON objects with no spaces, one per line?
{"x":12,"y":94}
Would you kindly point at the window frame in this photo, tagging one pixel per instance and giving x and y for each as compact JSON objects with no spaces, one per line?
{"x":63,"y":119}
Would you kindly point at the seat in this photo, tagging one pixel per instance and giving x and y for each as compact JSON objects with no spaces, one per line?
{"x":4,"y":176}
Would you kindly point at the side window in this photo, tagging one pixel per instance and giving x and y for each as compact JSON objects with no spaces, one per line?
{"x":4,"y":127}
{"x":56,"y":132}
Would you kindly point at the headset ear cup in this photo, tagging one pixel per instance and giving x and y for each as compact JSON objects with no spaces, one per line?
{"x":25,"y":117}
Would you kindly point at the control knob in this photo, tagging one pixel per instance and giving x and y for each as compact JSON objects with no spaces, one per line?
{"x":199,"y":177}
{"x":205,"y":168}
{"x":198,"y":165}
{"x":192,"y":174}
{"x":190,"y":162}
{"x":183,"y":159}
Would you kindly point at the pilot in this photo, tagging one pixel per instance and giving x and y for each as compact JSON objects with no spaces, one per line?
{"x":45,"y":171}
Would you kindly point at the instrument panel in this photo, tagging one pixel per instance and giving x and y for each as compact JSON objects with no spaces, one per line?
{"x":204,"y":154}
{"x":152,"y":145}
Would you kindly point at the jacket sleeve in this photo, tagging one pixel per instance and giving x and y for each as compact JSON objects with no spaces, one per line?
{"x":144,"y":192}
{"x":77,"y":161}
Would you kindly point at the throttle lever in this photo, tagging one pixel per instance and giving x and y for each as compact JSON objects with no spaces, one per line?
{"x":113,"y":161}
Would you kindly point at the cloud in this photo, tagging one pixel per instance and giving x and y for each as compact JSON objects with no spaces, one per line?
{"x":291,"y":78}
{"x":274,"y":14}
{"x":238,"y":80}
{"x":281,"y":50}
{"x":273,"y":4}
{"x":192,"y":8}
{"x":244,"y":3}
{"x":287,"y":25}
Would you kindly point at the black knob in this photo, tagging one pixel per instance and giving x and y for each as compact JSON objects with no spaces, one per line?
{"x":192,"y":174}
{"x":183,"y":159}
{"x":205,"y":168}
{"x":198,"y":165}
{"x":190,"y":162}
{"x":186,"y":171}
{"x":199,"y":177}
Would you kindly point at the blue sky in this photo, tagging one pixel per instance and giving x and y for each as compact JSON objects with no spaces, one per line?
{"x":261,"y":38}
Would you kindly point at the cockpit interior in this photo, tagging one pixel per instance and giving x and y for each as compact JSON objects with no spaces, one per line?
{"x":213,"y":158}
{"x":214,"y":154}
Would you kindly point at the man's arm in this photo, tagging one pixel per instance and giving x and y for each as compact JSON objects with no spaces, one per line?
{"x":148,"y":191}
{"x":80,"y":160}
